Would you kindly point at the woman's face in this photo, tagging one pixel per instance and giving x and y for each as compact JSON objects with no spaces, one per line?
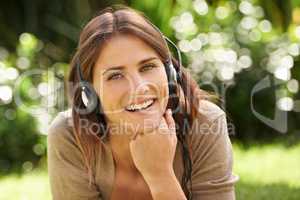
{"x":131,"y":82}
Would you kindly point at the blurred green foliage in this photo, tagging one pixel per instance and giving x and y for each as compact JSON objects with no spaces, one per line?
{"x":22,"y":145}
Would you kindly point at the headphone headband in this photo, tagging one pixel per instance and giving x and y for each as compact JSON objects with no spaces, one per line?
{"x":79,"y":71}
{"x":167,"y":40}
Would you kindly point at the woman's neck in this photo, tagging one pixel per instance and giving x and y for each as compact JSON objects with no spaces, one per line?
{"x":121,"y":152}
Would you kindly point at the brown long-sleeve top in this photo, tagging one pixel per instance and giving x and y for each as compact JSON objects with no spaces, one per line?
{"x":211,"y":150}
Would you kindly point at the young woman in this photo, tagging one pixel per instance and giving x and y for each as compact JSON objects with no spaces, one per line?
{"x":139,"y":127}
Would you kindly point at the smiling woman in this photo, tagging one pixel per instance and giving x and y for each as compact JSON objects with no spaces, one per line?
{"x":140,"y":82}
{"x":125,"y":145}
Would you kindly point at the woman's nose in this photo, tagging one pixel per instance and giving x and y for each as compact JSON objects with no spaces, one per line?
{"x":139,"y":85}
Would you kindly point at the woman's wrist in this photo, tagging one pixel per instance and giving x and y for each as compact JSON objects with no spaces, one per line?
{"x":159,"y":176}
{"x":156,"y":175}
{"x":165,"y":186}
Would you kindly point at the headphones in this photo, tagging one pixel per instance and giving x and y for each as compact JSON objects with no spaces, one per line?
{"x":91,"y":100}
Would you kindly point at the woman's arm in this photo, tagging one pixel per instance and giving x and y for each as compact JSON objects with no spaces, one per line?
{"x":212,"y":156}
{"x":67,"y":175}
{"x":153,"y":155}
{"x":165,"y":187}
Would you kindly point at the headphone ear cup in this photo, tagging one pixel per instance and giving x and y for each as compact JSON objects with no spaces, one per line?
{"x":172,"y":84}
{"x":84,"y":97}
{"x":173,"y":72}
{"x":172,"y":78}
{"x":88,"y":97}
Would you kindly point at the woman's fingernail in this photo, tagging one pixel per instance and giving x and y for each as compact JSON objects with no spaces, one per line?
{"x":169,"y":111}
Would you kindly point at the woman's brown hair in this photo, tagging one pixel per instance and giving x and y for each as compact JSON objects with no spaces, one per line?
{"x":121,"y":19}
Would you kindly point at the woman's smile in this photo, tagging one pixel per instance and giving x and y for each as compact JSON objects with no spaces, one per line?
{"x":143,"y":108}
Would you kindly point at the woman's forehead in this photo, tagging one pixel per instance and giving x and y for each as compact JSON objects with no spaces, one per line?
{"x":124,"y":49}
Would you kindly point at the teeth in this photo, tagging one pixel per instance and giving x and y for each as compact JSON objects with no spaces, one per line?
{"x":140,"y":106}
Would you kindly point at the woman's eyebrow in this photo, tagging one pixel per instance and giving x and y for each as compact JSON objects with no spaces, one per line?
{"x":122,"y":67}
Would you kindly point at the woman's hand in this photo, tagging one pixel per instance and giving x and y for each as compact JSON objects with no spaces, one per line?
{"x":153,"y":153}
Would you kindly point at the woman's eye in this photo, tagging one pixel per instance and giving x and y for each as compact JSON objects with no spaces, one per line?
{"x":115,"y":76}
{"x":148,"y":67}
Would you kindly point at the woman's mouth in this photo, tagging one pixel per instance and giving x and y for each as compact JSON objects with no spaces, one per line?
{"x":146,"y":105}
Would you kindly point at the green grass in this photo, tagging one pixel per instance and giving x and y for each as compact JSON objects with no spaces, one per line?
{"x":269,"y":164}
{"x":31,"y":186}
{"x":266,"y":172}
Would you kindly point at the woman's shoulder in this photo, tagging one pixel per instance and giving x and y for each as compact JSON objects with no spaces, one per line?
{"x":209,"y":123}
{"x":61,"y":128}
{"x":61,"y":120}
{"x":208,"y":111}
{"x":211,"y":153}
